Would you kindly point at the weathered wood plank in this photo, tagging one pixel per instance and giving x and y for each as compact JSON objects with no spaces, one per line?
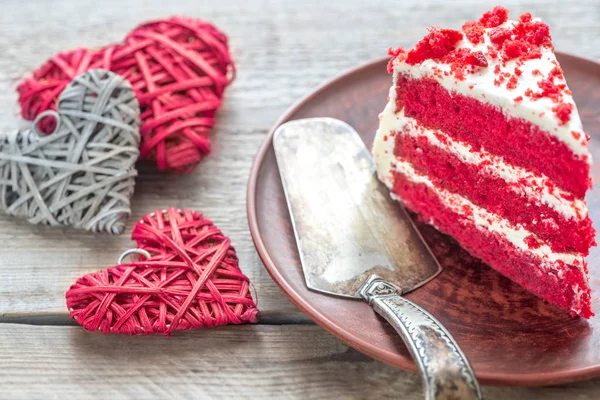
{"x":282,"y":49}
{"x":233,"y":362}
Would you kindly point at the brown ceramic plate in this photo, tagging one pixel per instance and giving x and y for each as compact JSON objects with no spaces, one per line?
{"x":510,"y":336}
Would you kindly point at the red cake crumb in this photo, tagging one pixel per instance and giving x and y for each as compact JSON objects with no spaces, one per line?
{"x":521,"y":41}
{"x":474,"y":32}
{"x":513,"y":49}
{"x":438,"y":43}
{"x":476,"y":58}
{"x":554,"y":92}
{"x":557,"y":72}
{"x":497,"y":16}
{"x":525,"y":17}
{"x":394,"y":54}
{"x":563,"y":112}
{"x":518,"y":99}
{"x":492,"y":52}
{"x":499,"y":35}
{"x":549,"y":90}
{"x":575,"y":135}
{"x":512,"y":83}
{"x":518,"y":72}
{"x":537,"y":33}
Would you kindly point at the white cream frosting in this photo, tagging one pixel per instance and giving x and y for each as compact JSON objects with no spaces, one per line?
{"x":480,"y":85}
{"x":539,"y":187}
{"x":386,"y":163}
{"x":483,"y":220}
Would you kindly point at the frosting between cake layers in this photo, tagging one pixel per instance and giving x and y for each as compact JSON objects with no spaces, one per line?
{"x":486,"y":221}
{"x":538,"y":187}
{"x":480,"y":85}
{"x":386,"y":164}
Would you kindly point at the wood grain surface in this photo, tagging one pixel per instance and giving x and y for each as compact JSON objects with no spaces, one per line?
{"x":283,"y":49}
{"x":250,"y":362}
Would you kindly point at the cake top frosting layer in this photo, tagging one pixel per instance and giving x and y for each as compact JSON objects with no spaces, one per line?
{"x":510,"y":64}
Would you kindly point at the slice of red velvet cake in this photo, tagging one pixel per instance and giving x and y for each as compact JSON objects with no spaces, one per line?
{"x":481,"y":137}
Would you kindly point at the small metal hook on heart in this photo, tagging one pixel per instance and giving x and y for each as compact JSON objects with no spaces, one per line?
{"x":139,"y":252}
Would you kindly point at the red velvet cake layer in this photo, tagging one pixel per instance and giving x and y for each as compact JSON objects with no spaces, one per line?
{"x":525,"y":269}
{"x":481,"y":125}
{"x":448,"y":171}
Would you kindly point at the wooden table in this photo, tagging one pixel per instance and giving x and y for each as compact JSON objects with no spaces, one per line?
{"x":283,"y":49}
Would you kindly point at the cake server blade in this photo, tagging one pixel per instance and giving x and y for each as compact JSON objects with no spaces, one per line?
{"x":355,"y":241}
{"x":346,"y":225}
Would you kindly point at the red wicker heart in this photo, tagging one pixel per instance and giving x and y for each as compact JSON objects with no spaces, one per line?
{"x":178,"y":68}
{"x":190,"y":280}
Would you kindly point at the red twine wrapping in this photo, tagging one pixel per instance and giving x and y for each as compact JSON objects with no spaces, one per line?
{"x":191,"y":280}
{"x":178,"y":68}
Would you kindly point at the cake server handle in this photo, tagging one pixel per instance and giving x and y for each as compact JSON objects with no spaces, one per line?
{"x":446,"y":371}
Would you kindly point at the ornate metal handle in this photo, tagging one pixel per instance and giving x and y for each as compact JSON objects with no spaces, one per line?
{"x":445,"y":370}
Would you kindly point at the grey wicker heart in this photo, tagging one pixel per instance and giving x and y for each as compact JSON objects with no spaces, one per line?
{"x":82,"y":174}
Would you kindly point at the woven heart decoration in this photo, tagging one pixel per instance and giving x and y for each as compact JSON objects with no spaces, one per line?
{"x":189,"y":278}
{"x":83,"y":174}
{"x":178,"y":68}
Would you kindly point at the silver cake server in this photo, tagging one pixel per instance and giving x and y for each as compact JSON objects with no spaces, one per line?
{"x":355,"y":241}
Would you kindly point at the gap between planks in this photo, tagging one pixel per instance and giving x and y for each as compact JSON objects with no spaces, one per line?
{"x":62,"y":319}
